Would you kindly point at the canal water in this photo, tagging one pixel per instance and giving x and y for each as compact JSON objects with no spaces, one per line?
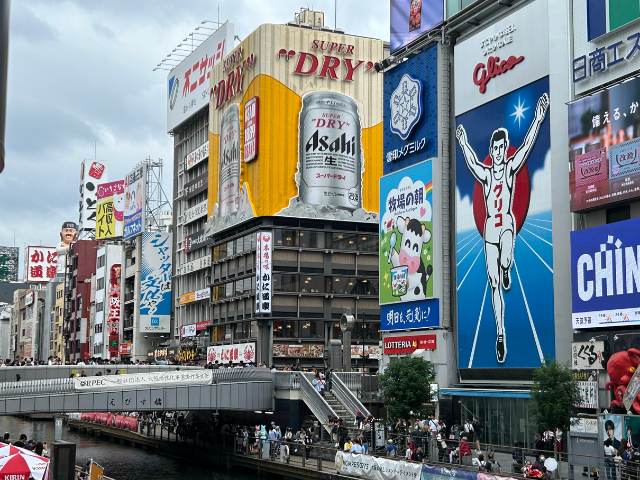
{"x":120,"y":462}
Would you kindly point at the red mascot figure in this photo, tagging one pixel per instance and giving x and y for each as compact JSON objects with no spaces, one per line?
{"x":621,"y":367}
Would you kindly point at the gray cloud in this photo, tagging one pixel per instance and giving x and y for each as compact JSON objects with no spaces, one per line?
{"x":80,"y":74}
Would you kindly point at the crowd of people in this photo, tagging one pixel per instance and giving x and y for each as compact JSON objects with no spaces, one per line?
{"x":39,"y":448}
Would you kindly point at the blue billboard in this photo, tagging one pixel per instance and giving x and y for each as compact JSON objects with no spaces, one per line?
{"x":411,"y":111}
{"x":605,"y":275}
{"x":409,"y":19}
{"x":410,"y":315}
{"x":155,"y":283}
{"x":504,"y":253}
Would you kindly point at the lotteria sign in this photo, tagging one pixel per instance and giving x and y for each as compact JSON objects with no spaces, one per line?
{"x":605,"y":273}
{"x":409,"y":344}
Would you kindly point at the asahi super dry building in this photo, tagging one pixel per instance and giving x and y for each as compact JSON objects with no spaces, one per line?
{"x":295,"y":137}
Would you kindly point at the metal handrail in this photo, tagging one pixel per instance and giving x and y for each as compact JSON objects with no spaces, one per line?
{"x":347,"y":398}
{"x":66,"y":385}
{"x":286,"y":381}
{"x":352,"y":380}
{"x":318,"y":405}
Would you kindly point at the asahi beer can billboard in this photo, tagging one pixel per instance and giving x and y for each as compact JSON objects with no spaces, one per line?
{"x":330,"y":158}
{"x":230,"y":161}
{"x":319,"y":151}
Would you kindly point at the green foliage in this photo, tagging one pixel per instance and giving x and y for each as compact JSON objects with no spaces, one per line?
{"x":555,"y":396}
{"x":406,"y":386}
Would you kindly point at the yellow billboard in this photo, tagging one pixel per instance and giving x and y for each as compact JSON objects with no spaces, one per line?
{"x":110,"y":210}
{"x":296,"y":128}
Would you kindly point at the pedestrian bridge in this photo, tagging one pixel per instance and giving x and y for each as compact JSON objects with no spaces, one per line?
{"x":246,"y":389}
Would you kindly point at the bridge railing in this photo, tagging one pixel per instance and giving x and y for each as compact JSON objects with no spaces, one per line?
{"x":286,"y":381}
{"x":347,"y":398}
{"x":67,"y":385}
{"x":36,"y":387}
{"x":43,"y":372}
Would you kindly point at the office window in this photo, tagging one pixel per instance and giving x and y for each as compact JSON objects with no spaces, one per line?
{"x":285,"y":328}
{"x":618,"y":214}
{"x":312,"y":284}
{"x":285,"y":237}
{"x":285,"y":282}
{"x":367,"y":243}
{"x":343,"y":241}
{"x":311,"y":239}
{"x":310,"y":328}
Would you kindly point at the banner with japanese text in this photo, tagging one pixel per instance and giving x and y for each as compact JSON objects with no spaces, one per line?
{"x":155,"y":283}
{"x":604,"y":147}
{"x":264,"y":250}
{"x":110,"y":210}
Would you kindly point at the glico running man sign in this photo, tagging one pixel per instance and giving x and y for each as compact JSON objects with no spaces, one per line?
{"x":504,"y":253}
{"x":605,"y":275}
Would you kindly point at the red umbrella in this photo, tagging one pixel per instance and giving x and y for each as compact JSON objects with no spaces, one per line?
{"x":22,"y":466}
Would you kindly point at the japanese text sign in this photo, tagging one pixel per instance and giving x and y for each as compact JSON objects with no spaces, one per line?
{"x":41,"y":264}
{"x":264,"y":250}
{"x":604,"y":143}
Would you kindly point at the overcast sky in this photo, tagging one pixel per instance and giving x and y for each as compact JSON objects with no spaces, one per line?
{"x":80,"y":73}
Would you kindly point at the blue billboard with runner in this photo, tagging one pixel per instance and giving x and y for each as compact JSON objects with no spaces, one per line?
{"x":504,"y":254}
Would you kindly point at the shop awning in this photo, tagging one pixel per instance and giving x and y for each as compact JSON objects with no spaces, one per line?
{"x":484,"y":392}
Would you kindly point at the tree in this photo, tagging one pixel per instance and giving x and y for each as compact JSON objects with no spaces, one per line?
{"x":555,"y":396}
{"x":406,"y":386}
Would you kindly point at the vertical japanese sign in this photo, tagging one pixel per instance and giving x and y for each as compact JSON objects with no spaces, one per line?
{"x":264,"y":246}
{"x":251,"y":112}
{"x":588,"y":394}
{"x":110,"y":209}
{"x":604,"y":143}
{"x":91,"y":173}
{"x":134,"y":202}
{"x":114,"y":300}
{"x":155,"y":283}
{"x":9,"y":264}
{"x":41,"y":264}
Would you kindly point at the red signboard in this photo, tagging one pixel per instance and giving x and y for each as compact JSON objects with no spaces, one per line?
{"x":409,"y":344}
{"x":251,"y":110}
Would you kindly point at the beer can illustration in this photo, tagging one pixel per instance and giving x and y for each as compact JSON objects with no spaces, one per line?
{"x":229,"y":174}
{"x":330,"y":151}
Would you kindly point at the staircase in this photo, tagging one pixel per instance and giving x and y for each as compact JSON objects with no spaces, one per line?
{"x":340,"y":409}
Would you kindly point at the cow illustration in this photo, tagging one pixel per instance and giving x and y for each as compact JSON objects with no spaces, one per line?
{"x":407,"y":261}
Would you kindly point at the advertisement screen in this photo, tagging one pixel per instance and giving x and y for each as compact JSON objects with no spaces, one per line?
{"x":188,"y":84}
{"x":134,"y":203}
{"x":604,"y":144}
{"x":110,"y":209}
{"x":605,"y":275}
{"x":155,"y":283}
{"x":406,"y":240}
{"x":412,"y":18}
{"x":411,"y":111}
{"x":320,"y":124}
{"x":504,"y":254}
{"x":9,"y":264}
